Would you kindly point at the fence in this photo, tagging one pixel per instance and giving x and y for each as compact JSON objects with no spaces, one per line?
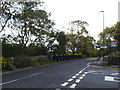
{"x":67,"y":57}
{"x":114,"y":61}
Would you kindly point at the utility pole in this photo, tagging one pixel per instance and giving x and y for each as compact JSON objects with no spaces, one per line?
{"x":103,"y":34}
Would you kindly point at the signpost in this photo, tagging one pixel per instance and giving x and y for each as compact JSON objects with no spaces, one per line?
{"x":49,"y":45}
{"x":103,"y":47}
{"x":114,"y":44}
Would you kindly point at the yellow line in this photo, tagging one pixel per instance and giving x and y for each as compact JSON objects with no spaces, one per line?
{"x":115,"y":67}
{"x":100,"y":66}
{"x":96,"y":66}
{"x":89,"y":63}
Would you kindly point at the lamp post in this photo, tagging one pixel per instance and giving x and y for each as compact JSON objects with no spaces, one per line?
{"x":103,"y":34}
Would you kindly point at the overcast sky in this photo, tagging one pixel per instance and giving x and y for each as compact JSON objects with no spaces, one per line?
{"x":64,"y":11}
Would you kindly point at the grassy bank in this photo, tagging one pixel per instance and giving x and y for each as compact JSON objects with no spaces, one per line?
{"x":13,"y":63}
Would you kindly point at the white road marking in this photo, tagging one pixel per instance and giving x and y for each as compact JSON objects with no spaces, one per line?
{"x":70,"y":80}
{"x":20,"y":78}
{"x":114,"y":74}
{"x":86,"y":72}
{"x":9,"y":82}
{"x":116,"y":81}
{"x":80,"y":72}
{"x":74,"y":77}
{"x":64,"y":84}
{"x":96,"y":73}
{"x":77,"y":74}
{"x":116,"y":77}
{"x":80,"y":77}
{"x":83,"y":75}
{"x":108,"y":78}
{"x":73,"y":86}
{"x":77,"y":81}
{"x":91,"y":71}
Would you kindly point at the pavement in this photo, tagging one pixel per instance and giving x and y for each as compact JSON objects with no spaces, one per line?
{"x":76,"y":74}
{"x":103,"y":64}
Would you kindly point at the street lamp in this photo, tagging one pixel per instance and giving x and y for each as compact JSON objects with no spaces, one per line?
{"x":103,"y":33}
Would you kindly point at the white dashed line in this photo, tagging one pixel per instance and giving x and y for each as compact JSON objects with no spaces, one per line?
{"x":77,"y":74}
{"x":83,"y":75}
{"x":80,"y":72}
{"x":86,"y":72}
{"x":74,"y":77}
{"x":73,"y":86}
{"x":70,"y":80}
{"x":77,"y":81}
{"x":80,"y":77}
{"x":64,"y":84}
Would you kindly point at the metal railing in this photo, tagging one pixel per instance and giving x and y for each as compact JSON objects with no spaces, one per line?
{"x":66,"y":57}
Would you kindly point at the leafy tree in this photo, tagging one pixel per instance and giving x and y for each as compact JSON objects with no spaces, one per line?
{"x":110,"y":34}
{"x":62,"y":41}
{"x":28,"y":20}
{"x":76,"y":40}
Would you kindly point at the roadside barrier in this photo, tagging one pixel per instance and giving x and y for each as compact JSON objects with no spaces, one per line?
{"x":114,"y":61}
{"x":66,"y":57}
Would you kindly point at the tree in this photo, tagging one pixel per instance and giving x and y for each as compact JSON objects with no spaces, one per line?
{"x":28,"y":20}
{"x":62,"y":41}
{"x":76,"y":40}
{"x":110,"y":34}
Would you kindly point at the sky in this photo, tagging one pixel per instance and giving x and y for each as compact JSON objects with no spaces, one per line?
{"x":64,"y":11}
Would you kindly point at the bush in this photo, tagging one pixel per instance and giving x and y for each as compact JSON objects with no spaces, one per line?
{"x":22,"y":61}
{"x":8,"y":64}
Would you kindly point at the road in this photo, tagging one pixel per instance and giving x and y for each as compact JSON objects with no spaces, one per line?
{"x":68,"y":74}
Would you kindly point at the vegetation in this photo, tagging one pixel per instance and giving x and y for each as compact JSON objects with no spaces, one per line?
{"x":111,"y":34}
{"x":31,"y":30}
{"x":10,"y":64}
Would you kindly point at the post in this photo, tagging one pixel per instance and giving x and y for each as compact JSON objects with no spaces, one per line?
{"x":103,"y":34}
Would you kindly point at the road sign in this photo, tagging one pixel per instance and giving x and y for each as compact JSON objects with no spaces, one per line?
{"x":103,"y":46}
{"x":49,"y":45}
{"x":114,"y":44}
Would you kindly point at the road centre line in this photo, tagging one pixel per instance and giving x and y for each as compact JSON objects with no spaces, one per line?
{"x":73,"y":77}
{"x":80,"y":72}
{"x":21,"y":78}
{"x":64,"y":84}
{"x":83,"y":75}
{"x":77,"y":81}
{"x":73,"y":85}
{"x":70,"y":80}
{"x":86,"y":72}
{"x":77,"y":74}
{"x":80,"y":77}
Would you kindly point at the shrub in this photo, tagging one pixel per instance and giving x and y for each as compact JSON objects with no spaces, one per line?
{"x":22,"y":61}
{"x":8,"y":64}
